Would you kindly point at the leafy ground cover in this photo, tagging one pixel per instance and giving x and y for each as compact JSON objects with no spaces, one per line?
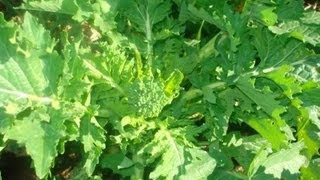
{"x":165,"y":89}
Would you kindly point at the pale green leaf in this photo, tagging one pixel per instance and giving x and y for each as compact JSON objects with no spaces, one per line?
{"x":280,"y":163}
{"x":32,"y":71}
{"x":200,"y":166}
{"x":145,"y":14}
{"x":180,"y":162}
{"x":149,"y":95}
{"x":290,"y":85}
{"x":270,"y":130}
{"x":35,"y":34}
{"x":242,"y":149}
{"x":60,"y":6}
{"x":172,"y":83}
{"x":309,"y":129}
{"x":93,"y":139}
{"x":40,"y":134}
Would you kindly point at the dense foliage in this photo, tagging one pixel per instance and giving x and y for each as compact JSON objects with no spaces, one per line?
{"x":163,"y":89}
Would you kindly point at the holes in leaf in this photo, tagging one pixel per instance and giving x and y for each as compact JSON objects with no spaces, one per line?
{"x":24,"y":113}
{"x":8,"y":8}
{"x":243,"y":128}
{"x":2,"y":7}
{"x":128,"y":128}
{"x":13,"y":166}
{"x":175,"y":11}
{"x":239,"y":169}
{"x":237,"y":166}
{"x":268,"y":85}
{"x":236,"y":102}
{"x":65,"y":163}
{"x":311,"y":4}
{"x":257,"y":61}
{"x":200,"y":122}
{"x":182,"y":53}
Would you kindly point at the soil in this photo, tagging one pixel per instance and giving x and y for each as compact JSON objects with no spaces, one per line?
{"x":15,"y":167}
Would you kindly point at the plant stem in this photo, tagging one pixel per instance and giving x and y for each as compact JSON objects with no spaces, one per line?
{"x":138,"y":168}
{"x":148,"y":29}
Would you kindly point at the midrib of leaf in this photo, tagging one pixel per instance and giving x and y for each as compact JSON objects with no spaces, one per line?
{"x":58,"y":11}
{"x":237,"y":175}
{"x":108,"y":79}
{"x":50,"y":64}
{"x":7,"y":83}
{"x":268,"y":52}
{"x":148,"y":30}
{"x":287,"y":55}
{"x":20,"y":72}
{"x":256,"y":96}
{"x":22,"y":95}
{"x":28,"y":78}
{"x":175,"y":148}
{"x":149,"y":37}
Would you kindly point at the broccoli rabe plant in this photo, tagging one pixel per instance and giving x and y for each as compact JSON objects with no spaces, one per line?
{"x":163,"y":89}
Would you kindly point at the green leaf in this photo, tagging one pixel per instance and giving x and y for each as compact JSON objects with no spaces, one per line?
{"x":40,"y":134}
{"x":162,"y":89}
{"x":236,"y":98}
{"x":60,"y":6}
{"x":312,"y":171}
{"x":305,"y":29}
{"x":290,"y":85}
{"x":270,"y":130}
{"x":201,"y":165}
{"x":307,"y":70}
{"x":35,"y":34}
{"x":262,"y":11}
{"x":31,"y":71}
{"x":149,"y":95}
{"x":242,"y":149}
{"x":93,"y":140}
{"x":268,"y":16}
{"x":179,"y":161}
{"x":118,"y":162}
{"x":278,"y":164}
{"x":310,"y":97}
{"x":271,"y":107}
{"x":288,"y":9}
{"x":274,"y":52}
{"x":172,"y":83}
{"x":145,"y":14}
{"x":308,"y":129}
{"x":206,"y":16}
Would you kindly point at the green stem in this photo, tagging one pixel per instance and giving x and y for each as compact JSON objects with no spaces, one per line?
{"x":199,"y":33}
{"x":138,"y":61}
{"x":148,"y":29}
{"x":138,"y":168}
{"x":216,"y":85}
{"x":238,"y":175}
